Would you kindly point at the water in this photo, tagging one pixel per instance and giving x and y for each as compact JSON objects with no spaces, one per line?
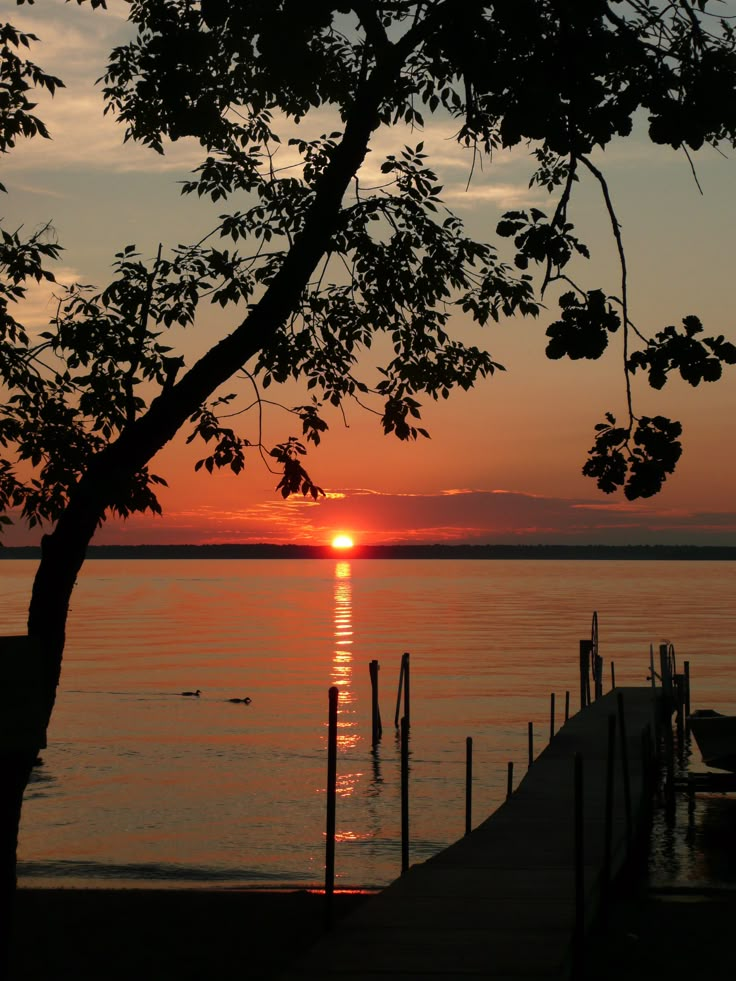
{"x":141,"y":786}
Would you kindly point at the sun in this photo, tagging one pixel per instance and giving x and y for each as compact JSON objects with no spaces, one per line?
{"x":342,"y":541}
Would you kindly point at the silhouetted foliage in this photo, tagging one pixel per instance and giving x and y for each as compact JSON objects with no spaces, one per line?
{"x":354,"y":289}
{"x":312,"y":271}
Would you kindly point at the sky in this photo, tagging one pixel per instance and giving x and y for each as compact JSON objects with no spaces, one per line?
{"x":503,"y":464}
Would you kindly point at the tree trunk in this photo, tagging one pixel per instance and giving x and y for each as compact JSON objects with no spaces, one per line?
{"x":15,"y":769}
{"x":63,"y":551}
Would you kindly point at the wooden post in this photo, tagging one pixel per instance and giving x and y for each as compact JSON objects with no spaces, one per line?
{"x":407,"y":690}
{"x":669,"y":787}
{"x":567,"y":706}
{"x":664,"y":670}
{"x":509,"y":779}
{"x":652,"y":673}
{"x":686,"y":665}
{"x":404,"y":796}
{"x":596,"y":659}
{"x":331,"y":798}
{"x":613,"y":676}
{"x":647,"y":777}
{"x":679,"y":690}
{"x":625,"y":765}
{"x":608,"y":829}
{"x":598,"y":676}
{"x":530,"y":734}
{"x":585,"y":648}
{"x":468,"y":783}
{"x":376,"y":727}
{"x":579,"y":864}
{"x":551,"y":716}
{"x":403,"y":683}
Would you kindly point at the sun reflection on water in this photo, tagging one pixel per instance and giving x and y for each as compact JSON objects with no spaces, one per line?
{"x":342,"y":669}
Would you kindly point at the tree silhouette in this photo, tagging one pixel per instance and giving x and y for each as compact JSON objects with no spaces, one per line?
{"x":315,"y":265}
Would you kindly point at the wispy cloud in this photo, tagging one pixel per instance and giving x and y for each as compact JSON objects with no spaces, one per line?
{"x":451,"y":516}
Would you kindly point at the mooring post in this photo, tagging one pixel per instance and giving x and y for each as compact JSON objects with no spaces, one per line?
{"x":530,"y":734}
{"x":625,"y":765}
{"x":551,"y":716}
{"x":652,"y":672}
{"x":665,"y":673}
{"x":579,"y":866}
{"x":686,"y":666}
{"x":613,"y":676}
{"x":598,"y":676}
{"x":403,"y":684}
{"x":586,"y":647}
{"x":608,"y":827}
{"x":407,"y":690}
{"x":376,"y":727}
{"x":468,"y":783}
{"x":331,"y":797}
{"x":567,"y":706}
{"x":596,"y":659}
{"x":509,"y":779}
{"x":680,"y":715}
{"x":404,"y":795}
{"x":669,"y":788}
{"x":647,"y":777}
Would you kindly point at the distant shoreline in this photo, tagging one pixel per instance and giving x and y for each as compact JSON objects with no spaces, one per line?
{"x":666,"y":553}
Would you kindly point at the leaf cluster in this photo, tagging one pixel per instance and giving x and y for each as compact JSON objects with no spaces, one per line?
{"x":295,"y":478}
{"x":696,"y":359}
{"x":18,"y":76}
{"x":583,"y":328}
{"x":637,"y":458}
{"x":539,"y":240}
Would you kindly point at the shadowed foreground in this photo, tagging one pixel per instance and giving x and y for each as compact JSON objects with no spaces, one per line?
{"x":172,"y":935}
{"x":164,"y":934}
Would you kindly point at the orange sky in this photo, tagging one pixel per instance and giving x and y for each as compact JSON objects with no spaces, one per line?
{"x":504,"y":460}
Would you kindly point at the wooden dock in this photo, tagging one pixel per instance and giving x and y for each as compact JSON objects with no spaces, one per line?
{"x":512,"y":899}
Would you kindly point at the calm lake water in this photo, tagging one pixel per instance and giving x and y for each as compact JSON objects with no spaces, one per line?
{"x":141,"y":786}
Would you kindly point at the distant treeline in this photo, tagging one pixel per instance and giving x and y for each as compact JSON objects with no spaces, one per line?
{"x":666,"y":553}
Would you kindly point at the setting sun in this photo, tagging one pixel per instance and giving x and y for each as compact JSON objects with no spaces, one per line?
{"x":342,"y":541}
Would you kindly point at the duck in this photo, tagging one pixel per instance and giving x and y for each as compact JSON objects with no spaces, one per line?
{"x":194,"y":694}
{"x":243,"y":701}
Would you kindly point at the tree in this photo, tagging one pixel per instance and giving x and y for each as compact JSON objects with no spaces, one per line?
{"x":317,"y":265}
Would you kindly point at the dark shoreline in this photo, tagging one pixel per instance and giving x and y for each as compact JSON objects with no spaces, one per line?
{"x":165,"y":934}
{"x":113,"y":934}
{"x":659,"y":553}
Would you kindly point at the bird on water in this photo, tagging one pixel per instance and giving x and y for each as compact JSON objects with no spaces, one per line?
{"x":194,"y":694}
{"x":243,"y":701}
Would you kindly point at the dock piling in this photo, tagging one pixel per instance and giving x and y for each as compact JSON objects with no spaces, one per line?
{"x":625,"y":765}
{"x":331,"y":798}
{"x":376,"y":727}
{"x":551,"y":716}
{"x":608,"y":825}
{"x":468,"y":783}
{"x":404,"y":730}
{"x":403,"y":685}
{"x":530,"y":739}
{"x":579,"y":864}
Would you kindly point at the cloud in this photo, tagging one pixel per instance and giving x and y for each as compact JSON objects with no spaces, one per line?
{"x":74,"y":44}
{"x":455,"y":516}
{"x":41,"y":300}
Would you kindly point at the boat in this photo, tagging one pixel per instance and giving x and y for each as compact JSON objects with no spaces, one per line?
{"x":715,"y":735}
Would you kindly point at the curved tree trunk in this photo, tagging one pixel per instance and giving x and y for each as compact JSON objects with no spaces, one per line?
{"x":64,"y":550}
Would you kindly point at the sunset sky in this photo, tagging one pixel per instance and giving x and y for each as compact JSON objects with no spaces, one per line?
{"x":504,"y":461}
